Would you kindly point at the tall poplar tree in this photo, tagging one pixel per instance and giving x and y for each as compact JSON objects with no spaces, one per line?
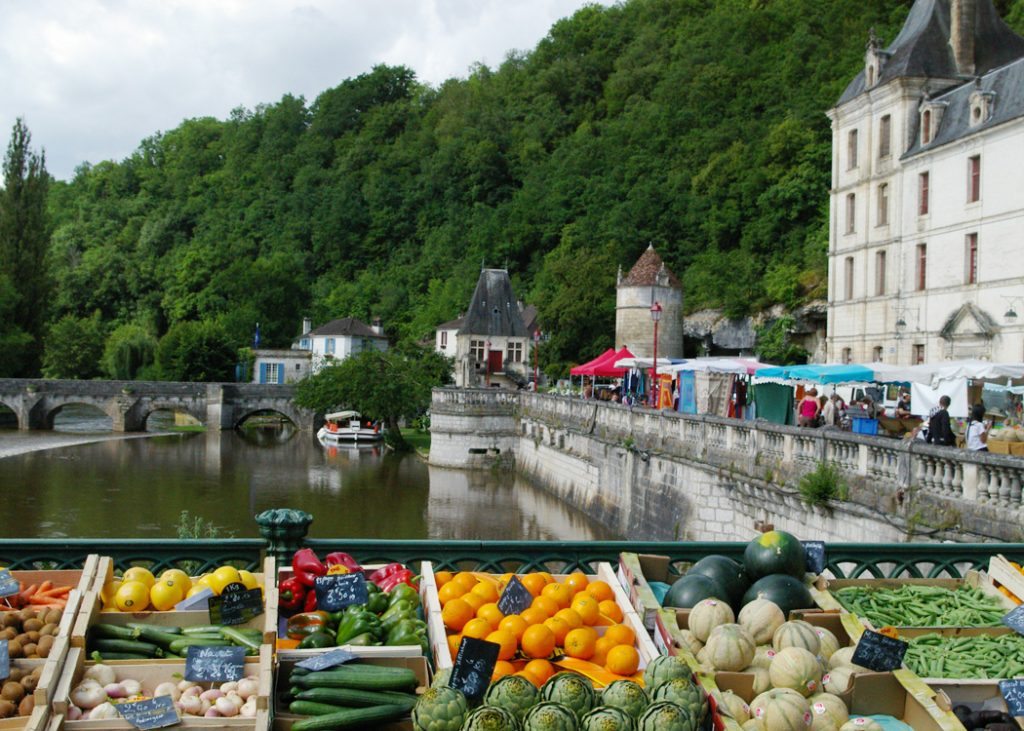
{"x":24,"y":238}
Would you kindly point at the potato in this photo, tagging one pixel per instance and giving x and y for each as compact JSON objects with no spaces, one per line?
{"x":52,"y":616}
{"x":13,"y":650}
{"x":7,"y":709}
{"x":28,"y":703}
{"x":13,"y":692}
{"x":32,"y":625}
{"x":31,"y":650}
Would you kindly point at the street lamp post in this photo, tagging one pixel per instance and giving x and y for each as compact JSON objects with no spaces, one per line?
{"x":655,"y":316}
{"x":536,"y":344}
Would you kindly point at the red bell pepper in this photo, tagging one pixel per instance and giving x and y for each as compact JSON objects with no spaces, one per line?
{"x":402,"y":576}
{"x":340,"y":558}
{"x":385,"y":571}
{"x":307,"y":566}
{"x":310,"y":605}
{"x":292,"y":595}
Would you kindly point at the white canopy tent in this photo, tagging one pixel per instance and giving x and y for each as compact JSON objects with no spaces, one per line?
{"x":736,"y":366}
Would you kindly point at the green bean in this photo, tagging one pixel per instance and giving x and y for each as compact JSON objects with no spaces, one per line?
{"x":979,"y":657}
{"x":914,"y":605}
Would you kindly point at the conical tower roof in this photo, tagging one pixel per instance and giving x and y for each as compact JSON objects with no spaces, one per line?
{"x":646,"y":271}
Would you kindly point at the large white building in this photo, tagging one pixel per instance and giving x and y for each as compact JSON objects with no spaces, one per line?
{"x":316,"y":349}
{"x":926,"y":239}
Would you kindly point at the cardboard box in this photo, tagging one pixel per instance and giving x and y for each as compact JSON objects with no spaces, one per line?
{"x":283,"y":720}
{"x":1001,"y":572}
{"x":151,"y":673}
{"x":92,"y":613}
{"x":438,"y":637}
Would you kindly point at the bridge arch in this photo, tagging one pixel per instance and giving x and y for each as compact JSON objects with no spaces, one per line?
{"x":176,"y":408}
{"x":6,"y":406}
{"x":54,"y":406}
{"x":251,"y":410}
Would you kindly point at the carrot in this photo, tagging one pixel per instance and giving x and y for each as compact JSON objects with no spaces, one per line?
{"x":46,"y":601}
{"x":55,"y":592}
{"x":29,"y":591}
{"x":45,"y":586}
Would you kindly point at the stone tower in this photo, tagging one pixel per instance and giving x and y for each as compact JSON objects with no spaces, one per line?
{"x":649,"y":281}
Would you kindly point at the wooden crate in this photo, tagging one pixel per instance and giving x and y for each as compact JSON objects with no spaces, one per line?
{"x":1000,"y":570}
{"x":92,"y":613}
{"x":283,"y":720}
{"x":35,"y":722}
{"x":105,"y":572}
{"x":150,"y":673}
{"x":43,"y":694}
{"x":439,"y":641}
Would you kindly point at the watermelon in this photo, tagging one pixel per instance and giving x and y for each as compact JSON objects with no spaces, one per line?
{"x":692,"y":588}
{"x":775,"y":552}
{"x":787,"y":592}
{"x":730,"y":575}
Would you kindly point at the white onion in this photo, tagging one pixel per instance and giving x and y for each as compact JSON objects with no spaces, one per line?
{"x":225,"y":707}
{"x":167,"y":689}
{"x":102,"y":674}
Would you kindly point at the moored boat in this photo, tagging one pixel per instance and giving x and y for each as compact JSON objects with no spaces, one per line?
{"x":348,"y":426}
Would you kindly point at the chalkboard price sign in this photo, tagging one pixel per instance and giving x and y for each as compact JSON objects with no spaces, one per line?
{"x":5,"y":661}
{"x":1013,"y":694}
{"x":327,"y":660}
{"x":334,"y":592}
{"x":878,"y":652}
{"x":214,"y":664}
{"x":8,"y":584}
{"x":236,"y":605}
{"x":1015,"y":620}
{"x":816,"y":560}
{"x":152,"y":713}
{"x":474,"y":665}
{"x":515,"y":598}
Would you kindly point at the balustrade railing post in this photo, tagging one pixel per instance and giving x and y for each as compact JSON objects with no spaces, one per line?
{"x":863,"y":455}
{"x":284,"y":530}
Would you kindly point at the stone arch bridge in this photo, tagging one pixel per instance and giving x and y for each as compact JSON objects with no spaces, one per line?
{"x":129,"y":404}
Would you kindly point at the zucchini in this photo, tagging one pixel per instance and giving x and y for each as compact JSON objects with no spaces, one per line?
{"x":168,"y":629}
{"x":156,"y":635}
{"x":308,"y":708}
{"x":178,"y":646}
{"x":355,"y":698}
{"x":98,"y":656}
{"x":232,"y":634}
{"x":113,"y":632}
{"x":350,"y":718}
{"x":205,"y":629}
{"x":362,"y":677}
{"x":134,"y":647}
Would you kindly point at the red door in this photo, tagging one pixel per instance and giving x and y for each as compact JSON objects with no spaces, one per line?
{"x":494,"y":361}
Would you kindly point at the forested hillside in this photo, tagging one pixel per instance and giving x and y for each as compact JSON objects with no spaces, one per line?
{"x":697,"y":125}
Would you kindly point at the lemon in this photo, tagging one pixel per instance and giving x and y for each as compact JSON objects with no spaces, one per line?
{"x":222,"y":577}
{"x":132,"y":596}
{"x":196,"y":588}
{"x":179,"y":576}
{"x":137,"y":573}
{"x":248,"y":579}
{"x":203,"y":580}
{"x":164,"y":594}
{"x":108,"y":591}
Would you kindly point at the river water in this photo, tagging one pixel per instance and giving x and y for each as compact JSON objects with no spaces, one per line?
{"x":138,"y":488}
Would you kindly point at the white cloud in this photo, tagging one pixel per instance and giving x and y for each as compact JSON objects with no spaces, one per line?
{"x":94,"y":77}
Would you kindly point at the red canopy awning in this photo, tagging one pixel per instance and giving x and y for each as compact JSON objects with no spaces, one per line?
{"x":587,"y":368}
{"x":603,"y":366}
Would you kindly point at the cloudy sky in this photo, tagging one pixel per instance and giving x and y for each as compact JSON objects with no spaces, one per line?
{"x":92,"y":78}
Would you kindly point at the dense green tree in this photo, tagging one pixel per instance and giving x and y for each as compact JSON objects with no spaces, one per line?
{"x":14,"y":342}
{"x":24,"y":238}
{"x":388,"y":386}
{"x":196,"y":351}
{"x":130,"y":350}
{"x":73,"y":347}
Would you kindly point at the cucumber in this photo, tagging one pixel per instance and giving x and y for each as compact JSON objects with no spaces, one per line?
{"x":133,"y":647}
{"x":308,"y":708}
{"x":361,"y":677}
{"x":355,"y":698}
{"x":350,"y":718}
{"x":113,"y":632}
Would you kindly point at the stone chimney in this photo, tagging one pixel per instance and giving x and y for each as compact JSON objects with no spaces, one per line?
{"x":307,"y":325}
{"x":963,"y":22}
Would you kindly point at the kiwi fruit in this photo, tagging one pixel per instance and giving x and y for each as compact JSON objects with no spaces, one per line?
{"x":13,"y":650}
{"x":7,"y":709}
{"x":29,"y":683}
{"x":52,"y":616}
{"x":12,"y":691}
{"x":32,"y":625}
{"x":27,"y":705}
{"x":31,"y":650}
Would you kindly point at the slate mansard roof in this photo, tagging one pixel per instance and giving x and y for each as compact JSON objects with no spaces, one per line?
{"x":494,"y":309}
{"x":922,"y":48}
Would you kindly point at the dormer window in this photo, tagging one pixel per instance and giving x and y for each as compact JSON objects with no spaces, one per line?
{"x":926,"y":126}
{"x":874,"y":60}
{"x":929,"y":119}
{"x":981,"y":104}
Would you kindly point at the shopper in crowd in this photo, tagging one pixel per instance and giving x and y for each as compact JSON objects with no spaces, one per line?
{"x":939,"y":430}
{"x":830,"y":415}
{"x":903,"y":405}
{"x":976,"y":433}
{"x":808,"y":409}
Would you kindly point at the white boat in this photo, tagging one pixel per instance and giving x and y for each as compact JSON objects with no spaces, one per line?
{"x":348,"y":426}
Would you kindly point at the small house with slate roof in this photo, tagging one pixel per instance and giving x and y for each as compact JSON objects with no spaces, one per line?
{"x":491,"y":344}
{"x":315,"y":349}
{"x":649,"y":281}
{"x":926,"y":259}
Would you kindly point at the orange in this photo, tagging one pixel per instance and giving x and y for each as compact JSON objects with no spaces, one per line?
{"x":571,"y":617}
{"x":449,"y":591}
{"x":477,"y":628}
{"x":600,"y":590}
{"x":531,"y":677}
{"x":548,"y":578}
{"x":501,"y":669}
{"x":601,"y":648}
{"x":622,"y":660}
{"x":577,"y":581}
{"x":503,"y":581}
{"x":533,"y":616}
{"x":442,"y":577}
{"x":560,"y":593}
{"x":506,"y":640}
{"x":540,"y":669}
{"x":474,"y":600}
{"x":538,"y":641}
{"x":456,"y":614}
{"x":621,"y":634}
{"x":466,"y":580}
{"x":610,"y":609}
{"x":514,"y":624}
{"x":453,"y":644}
{"x":587,"y":607}
{"x":534,"y":583}
{"x":545,"y":604}
{"x":491,"y":613}
{"x":580,"y":643}
{"x":559,"y":626}
{"x":486,"y":590}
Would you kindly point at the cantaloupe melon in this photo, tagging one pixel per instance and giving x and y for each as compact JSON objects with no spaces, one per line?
{"x":796,"y":633}
{"x":689,"y":642}
{"x":761,"y":618}
{"x":763,"y":655}
{"x":762,"y":681}
{"x":861,"y":723}
{"x":729,"y":647}
{"x":843,"y":657}
{"x":731,"y":705}
{"x":753,"y":725}
{"x":838,"y":680}
{"x":828,"y":712}
{"x":797,"y":669}
{"x":828,"y":642}
{"x":782,"y":709}
{"x":708,"y":614}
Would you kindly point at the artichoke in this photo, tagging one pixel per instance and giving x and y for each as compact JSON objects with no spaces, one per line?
{"x":663,"y":668}
{"x":626,"y":696}
{"x":514,"y":693}
{"x":607,"y":719}
{"x":683,"y":692}
{"x":667,"y":716}
{"x":490,"y":718}
{"x":439,"y":709}
{"x":550,"y":717}
{"x":571,"y":690}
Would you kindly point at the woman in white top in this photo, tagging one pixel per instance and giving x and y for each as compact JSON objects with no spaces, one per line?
{"x":976,"y":434}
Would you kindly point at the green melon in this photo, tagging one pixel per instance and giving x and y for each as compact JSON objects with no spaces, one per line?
{"x":729,"y":574}
{"x":667,"y":716}
{"x":796,"y":633}
{"x":828,"y":712}
{"x":730,"y":647}
{"x":761,"y":618}
{"x":797,"y":669}
{"x":708,"y":614}
{"x":664,"y":668}
{"x":782,"y":709}
{"x":775,"y":552}
{"x":785,"y":591}
{"x":691,"y":588}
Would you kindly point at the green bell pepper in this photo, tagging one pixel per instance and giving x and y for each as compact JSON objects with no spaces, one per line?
{"x":318,"y":640}
{"x":366,"y":639}
{"x":358,"y":623}
{"x":409,"y":632}
{"x":403,"y":592}
{"x":395,"y":614}
{"x":377,"y":603}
